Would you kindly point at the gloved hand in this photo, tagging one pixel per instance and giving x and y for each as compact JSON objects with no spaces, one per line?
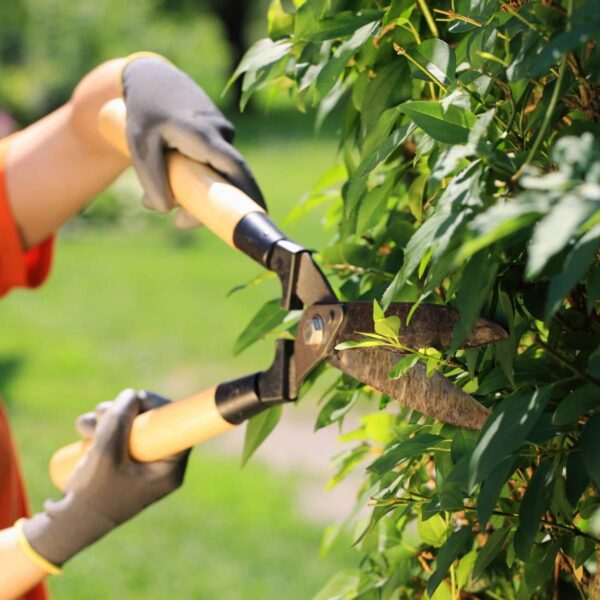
{"x":166,"y":109}
{"x":108,"y":487}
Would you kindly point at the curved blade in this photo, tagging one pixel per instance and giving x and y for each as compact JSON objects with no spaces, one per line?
{"x":434,"y":396}
{"x":431,"y":325}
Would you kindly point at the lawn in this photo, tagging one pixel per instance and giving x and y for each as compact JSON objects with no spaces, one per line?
{"x":130,"y":307}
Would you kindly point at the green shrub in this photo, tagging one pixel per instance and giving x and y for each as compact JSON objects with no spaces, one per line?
{"x":469,"y":175}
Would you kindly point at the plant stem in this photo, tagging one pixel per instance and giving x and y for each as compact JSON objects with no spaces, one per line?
{"x":553,"y":102}
{"x":523,"y":20}
{"x":429,"y":18}
{"x":563,"y":362}
{"x":402,"y":52}
{"x":546,"y":122}
{"x":452,"y":16}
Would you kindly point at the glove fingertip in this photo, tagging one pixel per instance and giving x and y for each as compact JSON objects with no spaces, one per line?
{"x":150,"y":400}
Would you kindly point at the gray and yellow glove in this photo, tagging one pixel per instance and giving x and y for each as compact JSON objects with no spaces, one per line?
{"x":166,"y":110}
{"x":108,"y":487}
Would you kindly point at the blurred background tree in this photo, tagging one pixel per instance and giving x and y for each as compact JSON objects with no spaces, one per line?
{"x":46,"y":46}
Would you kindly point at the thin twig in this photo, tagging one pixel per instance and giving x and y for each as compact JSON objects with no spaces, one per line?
{"x":429,"y":18}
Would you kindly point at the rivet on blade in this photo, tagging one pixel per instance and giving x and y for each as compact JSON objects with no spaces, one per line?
{"x":314,"y":331}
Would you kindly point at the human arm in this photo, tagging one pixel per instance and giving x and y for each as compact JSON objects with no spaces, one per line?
{"x":18,"y":571}
{"x":55,"y":166}
{"x":107,"y":488}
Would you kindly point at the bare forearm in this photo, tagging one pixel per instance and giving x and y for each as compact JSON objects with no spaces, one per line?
{"x":18,"y":573}
{"x":58,"y":164}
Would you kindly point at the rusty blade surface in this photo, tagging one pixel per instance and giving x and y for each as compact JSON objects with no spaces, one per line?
{"x":431,"y":325}
{"x":434,"y":396}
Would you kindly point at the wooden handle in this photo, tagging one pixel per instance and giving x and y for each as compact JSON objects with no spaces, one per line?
{"x":156,"y":434}
{"x":219,"y":205}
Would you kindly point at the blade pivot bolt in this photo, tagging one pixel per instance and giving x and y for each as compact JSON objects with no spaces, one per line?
{"x":314,"y":331}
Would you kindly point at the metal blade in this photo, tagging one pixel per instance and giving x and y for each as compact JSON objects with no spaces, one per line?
{"x":431,"y":325}
{"x":434,"y":396}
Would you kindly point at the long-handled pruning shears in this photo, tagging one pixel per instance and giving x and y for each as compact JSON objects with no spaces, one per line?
{"x":326,"y":324}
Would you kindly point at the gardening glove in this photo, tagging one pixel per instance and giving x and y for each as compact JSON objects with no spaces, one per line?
{"x":108,"y":487}
{"x":166,"y":110}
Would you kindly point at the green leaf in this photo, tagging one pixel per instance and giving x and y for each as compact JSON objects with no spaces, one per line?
{"x":490,"y":551}
{"x":374,"y":156}
{"x":406,"y":449}
{"x":346,"y":461}
{"x":535,"y":502}
{"x":561,"y":44}
{"x":577,"y":478}
{"x":576,"y":264}
{"x":593,"y":290}
{"x":432,"y":530}
{"x":447,"y":554}
{"x":362,"y":344}
{"x":451,"y":126}
{"x":505,"y":351}
{"x":576,"y":404}
{"x":378,"y":314}
{"x":477,"y":280}
{"x":590,"y":448}
{"x":491,"y":487}
{"x":415,"y":196}
{"x":330,"y":73}
{"x":465,"y":569}
{"x":403,"y":366}
{"x":260,"y":55}
{"x":539,"y":569}
{"x":344,"y":585}
{"x":503,"y":220}
{"x":438,"y":231}
{"x":506,"y":430}
{"x":437,"y":58}
{"x":593,"y":365}
{"x":555,"y":230}
{"x":258,"y":429}
{"x":381,"y":92}
{"x":388,"y":327}
{"x":336,"y":408}
{"x":372,"y":206}
{"x":584,"y":554}
{"x":266,"y":319}
{"x":341,"y":24}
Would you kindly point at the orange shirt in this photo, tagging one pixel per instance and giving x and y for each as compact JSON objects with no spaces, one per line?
{"x":18,"y":268}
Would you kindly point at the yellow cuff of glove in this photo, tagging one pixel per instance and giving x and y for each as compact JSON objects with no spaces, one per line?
{"x":38,"y":559}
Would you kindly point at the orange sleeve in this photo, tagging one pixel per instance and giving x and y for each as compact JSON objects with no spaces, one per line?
{"x":18,"y":268}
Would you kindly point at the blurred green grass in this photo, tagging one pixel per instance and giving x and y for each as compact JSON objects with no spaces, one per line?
{"x":149,"y":309}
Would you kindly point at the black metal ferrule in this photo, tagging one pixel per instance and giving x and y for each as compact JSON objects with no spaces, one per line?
{"x":238,"y":400}
{"x":255,"y":235}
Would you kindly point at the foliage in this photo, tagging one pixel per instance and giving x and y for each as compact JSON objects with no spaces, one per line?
{"x":470,"y":176}
{"x":47,"y":46}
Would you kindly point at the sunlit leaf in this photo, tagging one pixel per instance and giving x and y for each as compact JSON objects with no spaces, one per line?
{"x":266,"y":319}
{"x":258,"y":430}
